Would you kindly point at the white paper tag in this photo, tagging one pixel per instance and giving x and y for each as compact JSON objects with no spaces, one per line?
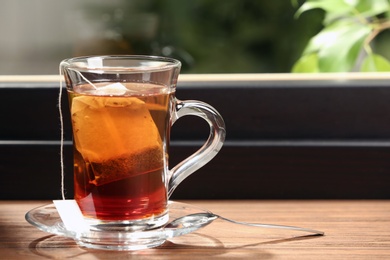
{"x":71,"y":215}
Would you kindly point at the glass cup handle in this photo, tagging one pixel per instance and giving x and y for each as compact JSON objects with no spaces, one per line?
{"x":208,"y":151}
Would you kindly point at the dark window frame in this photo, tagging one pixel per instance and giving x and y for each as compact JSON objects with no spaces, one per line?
{"x":288,"y":137}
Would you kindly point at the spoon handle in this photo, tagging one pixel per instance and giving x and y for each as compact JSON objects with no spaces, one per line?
{"x":314,"y":232}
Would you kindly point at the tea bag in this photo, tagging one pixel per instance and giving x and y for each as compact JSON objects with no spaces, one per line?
{"x":116,"y":136}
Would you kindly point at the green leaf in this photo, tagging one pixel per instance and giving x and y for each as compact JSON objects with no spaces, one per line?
{"x":307,"y":63}
{"x":329,"y":35}
{"x":329,"y":6}
{"x":338,"y":45}
{"x":341,"y":54}
{"x":375,"y":63}
{"x":368,"y":8}
{"x":336,"y":9}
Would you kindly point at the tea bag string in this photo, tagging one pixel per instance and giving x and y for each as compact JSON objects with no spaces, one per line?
{"x":61,"y":137}
{"x":62,"y":127}
{"x":84,"y":78}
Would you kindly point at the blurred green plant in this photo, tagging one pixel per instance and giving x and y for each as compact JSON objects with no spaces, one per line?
{"x":345,"y":42}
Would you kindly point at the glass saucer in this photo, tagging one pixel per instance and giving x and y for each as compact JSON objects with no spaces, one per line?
{"x":46,"y":218}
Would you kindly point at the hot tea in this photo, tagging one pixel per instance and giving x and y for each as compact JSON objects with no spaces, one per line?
{"x":120,"y":138}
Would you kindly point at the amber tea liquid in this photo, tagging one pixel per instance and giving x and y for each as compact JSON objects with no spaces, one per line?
{"x":119,"y":156}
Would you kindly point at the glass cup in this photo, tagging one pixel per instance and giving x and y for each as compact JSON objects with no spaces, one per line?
{"x":122,"y":109}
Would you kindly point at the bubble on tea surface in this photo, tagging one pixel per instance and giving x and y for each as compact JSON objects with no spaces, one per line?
{"x":116,"y":136}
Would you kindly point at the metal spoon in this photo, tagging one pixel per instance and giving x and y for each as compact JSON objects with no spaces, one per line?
{"x":195,"y":221}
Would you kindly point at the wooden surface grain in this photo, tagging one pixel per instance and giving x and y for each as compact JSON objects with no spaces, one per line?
{"x":353,"y":230}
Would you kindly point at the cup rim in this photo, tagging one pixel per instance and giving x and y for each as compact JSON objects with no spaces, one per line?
{"x":82,"y":62}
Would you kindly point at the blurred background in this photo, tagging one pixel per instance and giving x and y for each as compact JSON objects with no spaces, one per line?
{"x":219,"y":36}
{"x":326,"y":140}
